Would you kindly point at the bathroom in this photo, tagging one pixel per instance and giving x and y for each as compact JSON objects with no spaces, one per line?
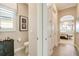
{"x":13,"y":28}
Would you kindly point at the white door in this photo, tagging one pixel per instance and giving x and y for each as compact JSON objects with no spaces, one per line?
{"x":39,"y":30}
{"x":45,"y":30}
{"x":35,"y":29}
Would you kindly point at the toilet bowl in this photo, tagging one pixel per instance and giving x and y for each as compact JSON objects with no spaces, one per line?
{"x":26,"y":45}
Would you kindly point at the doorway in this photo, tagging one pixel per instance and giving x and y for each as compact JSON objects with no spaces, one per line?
{"x":67,"y":36}
{"x":67,"y":29}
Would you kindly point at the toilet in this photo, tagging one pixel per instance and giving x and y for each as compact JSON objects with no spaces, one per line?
{"x":26,"y":45}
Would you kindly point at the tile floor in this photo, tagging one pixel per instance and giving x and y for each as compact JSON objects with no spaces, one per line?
{"x":65,"y":48}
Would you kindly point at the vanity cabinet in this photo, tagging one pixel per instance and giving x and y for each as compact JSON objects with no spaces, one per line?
{"x":7,"y":48}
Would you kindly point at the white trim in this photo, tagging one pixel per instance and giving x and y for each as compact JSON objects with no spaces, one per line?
{"x":39,"y":30}
{"x":26,"y":43}
{"x":18,"y":49}
{"x":45,"y":30}
{"x":76,"y":46}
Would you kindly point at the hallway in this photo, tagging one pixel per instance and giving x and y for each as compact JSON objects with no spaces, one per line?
{"x":65,"y":49}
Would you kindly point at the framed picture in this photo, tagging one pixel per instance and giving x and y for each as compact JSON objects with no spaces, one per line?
{"x":23,"y":23}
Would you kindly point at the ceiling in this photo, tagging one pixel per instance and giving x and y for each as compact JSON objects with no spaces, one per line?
{"x":61,"y":6}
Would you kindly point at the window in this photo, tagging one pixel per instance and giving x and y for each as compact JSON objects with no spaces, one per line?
{"x":66,"y":27}
{"x":67,"y":18}
{"x":7,"y":19}
{"x":66,"y":24}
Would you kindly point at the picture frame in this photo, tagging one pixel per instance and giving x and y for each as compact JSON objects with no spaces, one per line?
{"x":23,"y":23}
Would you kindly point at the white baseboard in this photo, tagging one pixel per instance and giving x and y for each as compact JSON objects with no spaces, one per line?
{"x":18,"y":49}
{"x":51,"y":52}
{"x":76,"y":47}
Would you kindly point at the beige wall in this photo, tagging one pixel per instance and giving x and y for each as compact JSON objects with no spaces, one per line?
{"x":68,"y":11}
{"x":77,"y":33}
{"x":56,"y":25}
{"x":32,"y":29}
{"x":53,"y":27}
{"x":22,"y":10}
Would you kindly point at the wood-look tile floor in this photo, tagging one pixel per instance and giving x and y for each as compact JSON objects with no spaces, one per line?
{"x":65,"y":49}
